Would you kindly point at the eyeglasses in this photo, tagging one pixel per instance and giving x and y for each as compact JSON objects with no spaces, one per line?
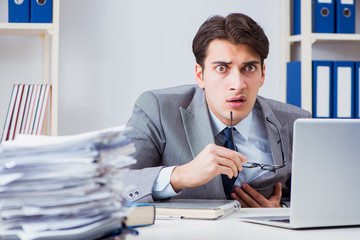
{"x":266,"y":167}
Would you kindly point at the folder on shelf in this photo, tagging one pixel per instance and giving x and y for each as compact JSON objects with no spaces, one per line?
{"x":27,"y":108}
{"x":19,"y":11}
{"x":357,"y":89}
{"x":22,"y":107}
{"x":15,"y":116}
{"x":322,"y":89}
{"x":9,"y":114}
{"x":293,"y":83}
{"x":343,"y":91}
{"x":323,"y":16}
{"x":41,"y":11}
{"x":36,"y":109}
{"x":296,"y":17}
{"x":42,"y":111}
{"x":32,"y":107}
{"x":345,"y":16}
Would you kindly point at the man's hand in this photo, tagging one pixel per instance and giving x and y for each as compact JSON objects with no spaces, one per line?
{"x":249,"y":197}
{"x":210,"y":162}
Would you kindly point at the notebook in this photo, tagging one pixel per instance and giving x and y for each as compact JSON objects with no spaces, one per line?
{"x":196,"y":208}
{"x":325,"y":175}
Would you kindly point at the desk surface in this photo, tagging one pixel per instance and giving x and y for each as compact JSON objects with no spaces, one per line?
{"x":232,"y":227}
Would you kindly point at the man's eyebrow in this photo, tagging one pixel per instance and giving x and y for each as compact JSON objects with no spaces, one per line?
{"x":228,"y":63}
{"x":251,"y":62}
{"x":221,"y":63}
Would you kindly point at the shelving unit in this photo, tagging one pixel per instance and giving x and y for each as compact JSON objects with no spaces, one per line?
{"x":306,"y":40}
{"x":49,"y":34}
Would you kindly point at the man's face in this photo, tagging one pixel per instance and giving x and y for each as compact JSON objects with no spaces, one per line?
{"x":231,"y":79}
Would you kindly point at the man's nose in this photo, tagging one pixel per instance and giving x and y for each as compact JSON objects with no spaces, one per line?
{"x":237,"y":80}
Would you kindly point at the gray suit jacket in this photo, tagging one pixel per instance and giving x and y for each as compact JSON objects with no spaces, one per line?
{"x":172,"y":126}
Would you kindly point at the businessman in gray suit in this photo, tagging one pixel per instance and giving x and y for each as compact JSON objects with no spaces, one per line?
{"x":179,"y":132}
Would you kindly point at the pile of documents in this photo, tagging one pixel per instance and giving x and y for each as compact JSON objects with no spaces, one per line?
{"x":65,"y":187}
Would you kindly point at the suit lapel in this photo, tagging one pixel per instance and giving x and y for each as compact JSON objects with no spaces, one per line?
{"x":198,"y":131}
{"x":273,"y":138}
{"x":272,"y":134}
{"x":197,"y":124}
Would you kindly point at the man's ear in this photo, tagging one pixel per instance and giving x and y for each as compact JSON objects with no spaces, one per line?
{"x":262,"y":76}
{"x":199,"y":76}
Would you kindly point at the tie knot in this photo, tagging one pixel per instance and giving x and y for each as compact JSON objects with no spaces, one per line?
{"x":227,"y":133}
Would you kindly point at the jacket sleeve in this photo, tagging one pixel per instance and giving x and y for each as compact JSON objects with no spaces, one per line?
{"x":145,"y":130}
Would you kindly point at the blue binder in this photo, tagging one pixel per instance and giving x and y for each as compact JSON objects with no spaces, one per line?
{"x":343,"y":91}
{"x":296,"y":17}
{"x":41,"y":11}
{"x":293,"y":83}
{"x":345,"y":16}
{"x":323,"y":16}
{"x":322,"y":89}
{"x":19,"y":11}
{"x":357,"y":89}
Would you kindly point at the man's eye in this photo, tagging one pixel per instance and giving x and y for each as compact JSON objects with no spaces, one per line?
{"x":250,"y":68}
{"x":221,"y":69}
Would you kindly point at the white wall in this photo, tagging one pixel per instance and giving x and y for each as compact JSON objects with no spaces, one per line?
{"x":112,"y":50}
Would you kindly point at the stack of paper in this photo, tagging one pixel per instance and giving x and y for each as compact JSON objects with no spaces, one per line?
{"x":63,"y":187}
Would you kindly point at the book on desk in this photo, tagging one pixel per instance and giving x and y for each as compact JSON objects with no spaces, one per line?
{"x":207,"y":209}
{"x":140,"y":215}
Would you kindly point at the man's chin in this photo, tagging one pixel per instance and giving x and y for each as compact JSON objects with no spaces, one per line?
{"x":239,"y":115}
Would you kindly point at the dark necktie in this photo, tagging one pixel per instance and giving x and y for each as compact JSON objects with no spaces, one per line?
{"x":228,"y":183}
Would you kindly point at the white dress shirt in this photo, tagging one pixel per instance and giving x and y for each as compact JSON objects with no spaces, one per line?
{"x":250,"y":139}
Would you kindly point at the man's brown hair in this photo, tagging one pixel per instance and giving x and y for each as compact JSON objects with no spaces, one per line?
{"x":236,"y":28}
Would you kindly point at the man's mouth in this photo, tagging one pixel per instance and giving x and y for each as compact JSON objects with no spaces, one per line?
{"x":236,"y":102}
{"x":237,"y":99}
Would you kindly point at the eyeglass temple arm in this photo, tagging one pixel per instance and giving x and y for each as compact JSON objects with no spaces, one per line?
{"x":280,"y":141}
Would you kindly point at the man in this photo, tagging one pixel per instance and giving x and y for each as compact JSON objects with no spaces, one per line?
{"x":178,"y":132}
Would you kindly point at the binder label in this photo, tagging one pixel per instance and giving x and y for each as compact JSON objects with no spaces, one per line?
{"x":343,"y":89}
{"x":325,"y":1}
{"x":347,"y":2}
{"x":323,"y":97}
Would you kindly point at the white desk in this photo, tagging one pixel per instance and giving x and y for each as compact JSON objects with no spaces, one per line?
{"x":232,"y":227}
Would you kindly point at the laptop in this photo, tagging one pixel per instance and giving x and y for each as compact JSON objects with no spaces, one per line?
{"x":325,"y":181}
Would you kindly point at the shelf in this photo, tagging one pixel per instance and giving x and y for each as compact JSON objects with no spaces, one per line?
{"x":26,"y":28}
{"x":326,"y":37}
{"x":49,"y":34}
{"x":306,"y":42}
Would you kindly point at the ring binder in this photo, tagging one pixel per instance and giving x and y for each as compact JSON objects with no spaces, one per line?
{"x":41,"y":11}
{"x":343,"y":100}
{"x":345,"y":16}
{"x":322,"y":89}
{"x":323,"y":16}
{"x":296,"y":17}
{"x":293,"y":83}
{"x":19,"y":11}
{"x":357,"y":89}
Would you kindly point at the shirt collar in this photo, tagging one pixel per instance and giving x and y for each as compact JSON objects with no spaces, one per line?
{"x":243,"y":127}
